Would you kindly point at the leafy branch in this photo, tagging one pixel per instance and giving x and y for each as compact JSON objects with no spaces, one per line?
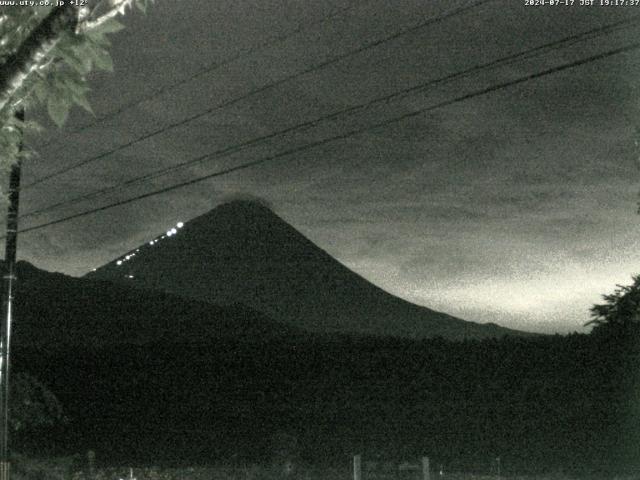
{"x":46,"y":54}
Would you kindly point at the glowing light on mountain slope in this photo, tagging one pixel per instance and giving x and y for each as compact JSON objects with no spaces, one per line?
{"x":169,"y":233}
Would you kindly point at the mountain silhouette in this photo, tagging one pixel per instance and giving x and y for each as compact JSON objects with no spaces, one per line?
{"x":242,"y":253}
{"x":54,"y":310}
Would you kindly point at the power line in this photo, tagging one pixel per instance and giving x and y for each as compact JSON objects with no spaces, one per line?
{"x":325,"y":63}
{"x":593,"y":33}
{"x":343,"y":136}
{"x":569,"y":40}
{"x":209,"y":68}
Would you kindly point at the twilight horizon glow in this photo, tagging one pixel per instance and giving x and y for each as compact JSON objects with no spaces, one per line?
{"x":517,"y":207}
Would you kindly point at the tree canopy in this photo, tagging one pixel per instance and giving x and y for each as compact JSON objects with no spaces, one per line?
{"x":46,"y":54}
{"x":620,"y":311}
{"x":34,"y":405}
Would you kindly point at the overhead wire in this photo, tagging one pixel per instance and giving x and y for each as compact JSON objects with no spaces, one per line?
{"x":316,"y":67}
{"x":507,"y":60}
{"x":207,"y":69}
{"x":299,"y":149}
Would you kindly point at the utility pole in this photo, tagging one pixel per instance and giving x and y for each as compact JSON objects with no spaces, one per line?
{"x":9,"y":286}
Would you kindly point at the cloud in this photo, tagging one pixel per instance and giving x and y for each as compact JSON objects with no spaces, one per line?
{"x":478,"y":208}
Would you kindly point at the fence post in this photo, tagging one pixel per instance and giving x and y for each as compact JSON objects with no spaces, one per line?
{"x":426,"y":472}
{"x":357,"y":467}
{"x":91,"y":463}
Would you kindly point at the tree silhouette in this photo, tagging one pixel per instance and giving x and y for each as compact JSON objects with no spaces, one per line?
{"x":621,"y":311}
{"x":34,"y":405}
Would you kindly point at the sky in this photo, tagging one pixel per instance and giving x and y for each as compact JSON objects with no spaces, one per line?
{"x":516,"y":207}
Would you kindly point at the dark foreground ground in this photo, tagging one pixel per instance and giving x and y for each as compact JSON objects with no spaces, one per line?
{"x":546,"y":406}
{"x":57,"y":469}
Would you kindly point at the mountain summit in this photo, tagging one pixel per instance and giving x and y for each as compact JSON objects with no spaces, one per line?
{"x":242,"y":252}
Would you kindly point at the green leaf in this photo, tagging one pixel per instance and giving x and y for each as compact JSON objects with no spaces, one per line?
{"x":58,"y":109}
{"x":25,"y":155}
{"x":11,"y":135}
{"x":98,"y":34}
{"x":40,"y":91}
{"x":72,"y":82}
{"x":76,"y":88}
{"x":100,"y":57}
{"x":77,"y":58}
{"x":110,"y":26}
{"x":100,"y":40}
{"x":103,"y":61}
{"x":32,"y":126}
{"x":81,"y":99}
{"x":141,"y":5}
